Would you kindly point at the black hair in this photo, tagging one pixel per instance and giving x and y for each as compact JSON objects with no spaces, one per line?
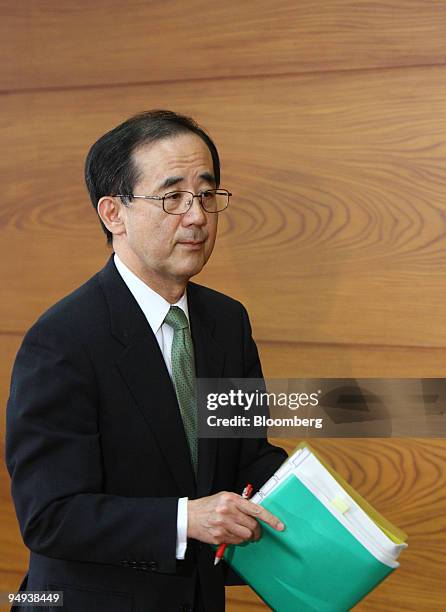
{"x":109,"y":166}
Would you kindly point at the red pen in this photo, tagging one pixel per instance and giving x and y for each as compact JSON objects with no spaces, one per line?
{"x":247,"y":492}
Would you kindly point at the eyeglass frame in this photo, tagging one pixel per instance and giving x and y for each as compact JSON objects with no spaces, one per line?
{"x":198,"y":195}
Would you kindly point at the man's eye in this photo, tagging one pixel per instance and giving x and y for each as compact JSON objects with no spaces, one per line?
{"x":207,"y":194}
{"x":174,"y":196}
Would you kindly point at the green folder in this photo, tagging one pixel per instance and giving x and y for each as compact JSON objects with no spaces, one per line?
{"x":332,"y":551}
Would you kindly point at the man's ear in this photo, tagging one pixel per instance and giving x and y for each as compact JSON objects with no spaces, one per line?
{"x":110,"y":210}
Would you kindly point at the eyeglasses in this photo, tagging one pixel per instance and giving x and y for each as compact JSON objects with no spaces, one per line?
{"x":179,"y":202}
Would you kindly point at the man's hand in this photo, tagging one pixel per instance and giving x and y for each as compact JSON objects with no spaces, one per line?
{"x":227,"y":518}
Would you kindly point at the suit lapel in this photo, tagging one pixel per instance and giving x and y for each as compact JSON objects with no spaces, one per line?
{"x":143,"y":369}
{"x":209,"y":360}
{"x":142,"y":366}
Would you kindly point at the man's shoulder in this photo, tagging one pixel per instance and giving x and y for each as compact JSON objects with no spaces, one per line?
{"x":78,"y":309}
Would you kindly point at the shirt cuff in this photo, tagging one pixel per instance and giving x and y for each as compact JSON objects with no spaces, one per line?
{"x":181,"y":528}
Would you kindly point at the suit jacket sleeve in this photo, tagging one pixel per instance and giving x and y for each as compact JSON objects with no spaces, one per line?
{"x":53,"y":455}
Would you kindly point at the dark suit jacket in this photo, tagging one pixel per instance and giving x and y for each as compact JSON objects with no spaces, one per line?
{"x":98,"y":456}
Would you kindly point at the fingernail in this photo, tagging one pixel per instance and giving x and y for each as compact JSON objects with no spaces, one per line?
{"x":280,"y":526}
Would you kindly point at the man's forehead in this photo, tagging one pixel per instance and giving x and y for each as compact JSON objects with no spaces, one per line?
{"x":180,"y":151}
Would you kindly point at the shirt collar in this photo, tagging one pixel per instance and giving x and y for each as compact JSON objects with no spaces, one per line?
{"x":153,"y":305}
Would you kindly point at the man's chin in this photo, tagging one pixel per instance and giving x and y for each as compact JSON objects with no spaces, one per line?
{"x":194,"y":268}
{"x":188,"y":264}
{"x":193,"y":271}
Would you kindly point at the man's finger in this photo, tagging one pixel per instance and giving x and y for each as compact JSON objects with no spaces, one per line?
{"x":241,"y":518}
{"x":257,"y":533}
{"x":261,"y":513}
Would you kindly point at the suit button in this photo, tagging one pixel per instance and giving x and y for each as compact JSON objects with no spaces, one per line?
{"x":144,"y":566}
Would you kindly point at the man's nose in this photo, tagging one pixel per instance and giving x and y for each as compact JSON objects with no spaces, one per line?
{"x":195,"y":215}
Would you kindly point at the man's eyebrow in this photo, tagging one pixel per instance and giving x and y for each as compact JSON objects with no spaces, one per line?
{"x":210,"y":178}
{"x":170,"y":180}
{"x":173,"y":180}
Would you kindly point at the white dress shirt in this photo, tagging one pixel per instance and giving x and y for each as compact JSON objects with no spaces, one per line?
{"x":155,"y":309}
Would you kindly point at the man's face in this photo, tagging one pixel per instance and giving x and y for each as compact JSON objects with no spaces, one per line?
{"x":163,"y":247}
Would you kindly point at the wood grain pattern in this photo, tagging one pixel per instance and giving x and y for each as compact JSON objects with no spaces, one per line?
{"x":53,"y":44}
{"x":337,"y":222}
{"x":296,"y":360}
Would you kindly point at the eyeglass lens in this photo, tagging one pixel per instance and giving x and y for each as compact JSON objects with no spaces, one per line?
{"x":178,"y":202}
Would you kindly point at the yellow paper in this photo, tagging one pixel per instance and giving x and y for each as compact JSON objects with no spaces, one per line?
{"x":394,"y":533}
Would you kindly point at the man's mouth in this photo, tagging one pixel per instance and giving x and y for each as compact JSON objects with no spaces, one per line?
{"x":192,"y":243}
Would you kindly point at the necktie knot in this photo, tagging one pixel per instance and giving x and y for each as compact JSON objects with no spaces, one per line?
{"x":176,"y":318}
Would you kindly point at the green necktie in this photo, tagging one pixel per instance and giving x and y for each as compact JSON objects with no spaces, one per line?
{"x":183,"y":374}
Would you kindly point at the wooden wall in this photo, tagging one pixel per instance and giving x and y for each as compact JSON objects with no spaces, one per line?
{"x":331,"y":119}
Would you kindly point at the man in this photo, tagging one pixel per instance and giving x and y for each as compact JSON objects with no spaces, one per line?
{"x":117,"y":498}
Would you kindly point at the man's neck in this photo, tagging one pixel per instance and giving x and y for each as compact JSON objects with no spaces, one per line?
{"x":170,"y":289}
